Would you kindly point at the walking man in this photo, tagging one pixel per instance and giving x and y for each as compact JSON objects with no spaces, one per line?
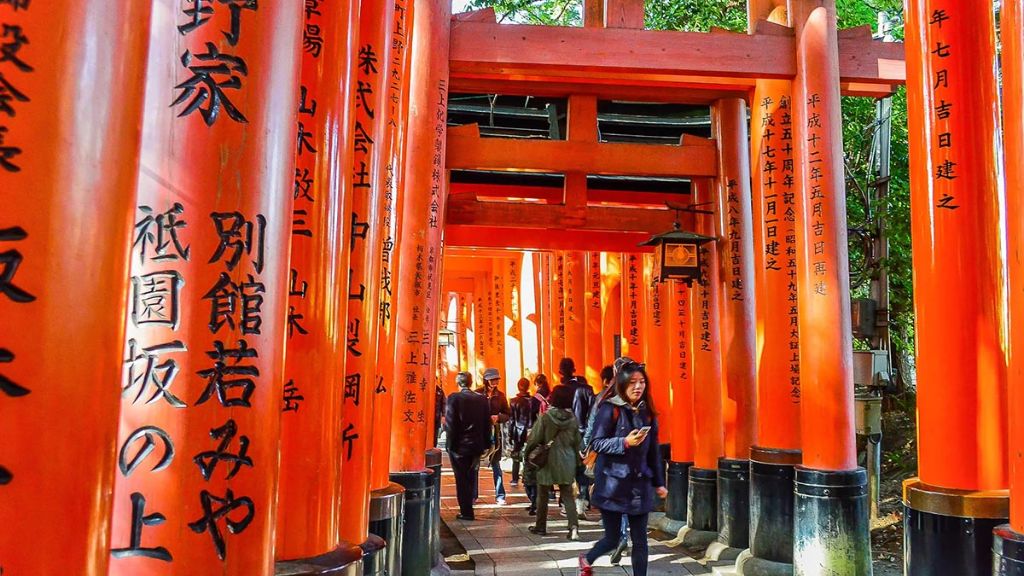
{"x":499,"y":411}
{"x":467,"y":417}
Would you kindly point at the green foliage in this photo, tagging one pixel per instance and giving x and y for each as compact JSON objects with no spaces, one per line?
{"x":859,"y":124}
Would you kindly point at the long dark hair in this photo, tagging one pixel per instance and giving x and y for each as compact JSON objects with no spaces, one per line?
{"x":622,"y":378}
{"x":542,"y":385}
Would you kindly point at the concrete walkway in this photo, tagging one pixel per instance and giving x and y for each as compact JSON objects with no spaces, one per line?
{"x":499,"y":544}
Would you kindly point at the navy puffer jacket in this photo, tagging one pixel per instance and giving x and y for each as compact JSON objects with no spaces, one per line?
{"x":625,"y":478}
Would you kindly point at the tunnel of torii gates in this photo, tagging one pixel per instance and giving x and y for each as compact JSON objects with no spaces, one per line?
{"x":231,"y":237}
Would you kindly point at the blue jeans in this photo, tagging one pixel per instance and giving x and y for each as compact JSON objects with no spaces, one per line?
{"x":499,"y":480}
{"x":612,"y":522}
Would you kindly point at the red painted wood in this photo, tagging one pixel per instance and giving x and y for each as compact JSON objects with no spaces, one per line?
{"x":70,"y":109}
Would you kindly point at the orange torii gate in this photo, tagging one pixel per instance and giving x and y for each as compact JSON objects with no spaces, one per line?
{"x":721,"y":70}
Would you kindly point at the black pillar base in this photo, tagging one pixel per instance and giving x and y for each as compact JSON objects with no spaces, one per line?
{"x":771,"y":504}
{"x":373,"y":556}
{"x":387,"y":515}
{"x":346,"y":560}
{"x":734,"y":502}
{"x":433,"y":456}
{"x":678,"y":485}
{"x":702,"y":501}
{"x":419,"y":504}
{"x":947,"y":532}
{"x":831,"y":533}
{"x":1007,"y":552}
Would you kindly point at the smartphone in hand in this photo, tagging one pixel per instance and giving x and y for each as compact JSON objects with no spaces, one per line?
{"x":645,"y":430}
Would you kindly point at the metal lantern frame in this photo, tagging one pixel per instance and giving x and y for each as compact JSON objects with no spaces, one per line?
{"x":677,"y":255}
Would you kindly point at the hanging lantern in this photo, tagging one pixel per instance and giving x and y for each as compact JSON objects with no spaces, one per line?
{"x":677,"y":255}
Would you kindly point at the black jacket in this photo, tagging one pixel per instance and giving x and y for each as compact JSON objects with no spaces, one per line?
{"x":582,"y":401}
{"x":525,"y":410}
{"x":468,"y":422}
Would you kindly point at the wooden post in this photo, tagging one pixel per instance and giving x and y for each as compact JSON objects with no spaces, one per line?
{"x":593,"y":315}
{"x":707,"y":377}
{"x":576,"y":307}
{"x":736,"y":256}
{"x":829,"y":455}
{"x":633,"y":305}
{"x":70,"y":108}
{"x":419,"y":280}
{"x":958,"y":234}
{"x":657,"y":340}
{"x":204,"y":363}
{"x":680,"y":408}
{"x":611,"y":303}
{"x":558,"y":314}
{"x":311,"y":442}
{"x":1008,"y":549}
{"x":778,"y":336}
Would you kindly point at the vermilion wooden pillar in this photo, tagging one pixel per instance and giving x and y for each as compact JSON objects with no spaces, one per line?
{"x":829,"y":456}
{"x":387,"y":498}
{"x":1009,"y":545}
{"x":197,"y":464}
{"x":707,"y":378}
{"x":424,"y":197}
{"x":542,"y":290}
{"x":513,"y":334}
{"x":575,"y":308}
{"x":737,"y":246}
{"x":778,"y":335}
{"x":957,"y":228}
{"x":680,"y":408}
{"x":369,"y":165}
{"x":593,"y":315}
{"x":657,"y":339}
{"x":391,"y":239}
{"x":311,"y":442}
{"x":558,"y":313}
{"x":611,"y":303}
{"x":633,"y":309}
{"x":729,"y":122}
{"x":70,"y":108}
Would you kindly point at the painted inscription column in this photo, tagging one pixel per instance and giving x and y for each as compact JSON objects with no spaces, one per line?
{"x":680,"y":407}
{"x":201,"y":394}
{"x":418,"y":281}
{"x":576,"y":308}
{"x":778,"y":335}
{"x":369,"y":162}
{"x":632,"y":306}
{"x":657,"y":331}
{"x":611,"y":304}
{"x":542,"y":290}
{"x":707,"y":375}
{"x":1009,"y":545}
{"x":957,"y":230}
{"x":593,"y":314}
{"x":829,"y":484}
{"x":422,"y":218}
{"x":511,"y":270}
{"x":737,"y":246}
{"x":390,"y":222}
{"x":729,"y":122}
{"x":311,"y":447}
{"x":558,"y":316}
{"x":69,"y":151}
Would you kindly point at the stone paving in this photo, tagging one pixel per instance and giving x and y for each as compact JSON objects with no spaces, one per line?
{"x":499,"y":543}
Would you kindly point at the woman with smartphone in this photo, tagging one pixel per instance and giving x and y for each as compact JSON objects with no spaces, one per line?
{"x":625,"y":437}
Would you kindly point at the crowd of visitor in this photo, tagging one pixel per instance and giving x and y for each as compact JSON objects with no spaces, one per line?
{"x":600,"y":451}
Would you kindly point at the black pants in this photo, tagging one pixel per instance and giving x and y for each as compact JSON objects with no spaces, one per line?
{"x":612,"y":522}
{"x":465,"y":470}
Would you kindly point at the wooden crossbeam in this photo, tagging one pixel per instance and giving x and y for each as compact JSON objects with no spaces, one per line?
{"x":467,"y":151}
{"x":537,"y":239}
{"x":542,"y":54}
{"x":551,"y":195}
{"x":466,"y":211}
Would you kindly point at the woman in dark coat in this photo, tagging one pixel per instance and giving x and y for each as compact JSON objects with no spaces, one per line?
{"x":625,"y":474}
